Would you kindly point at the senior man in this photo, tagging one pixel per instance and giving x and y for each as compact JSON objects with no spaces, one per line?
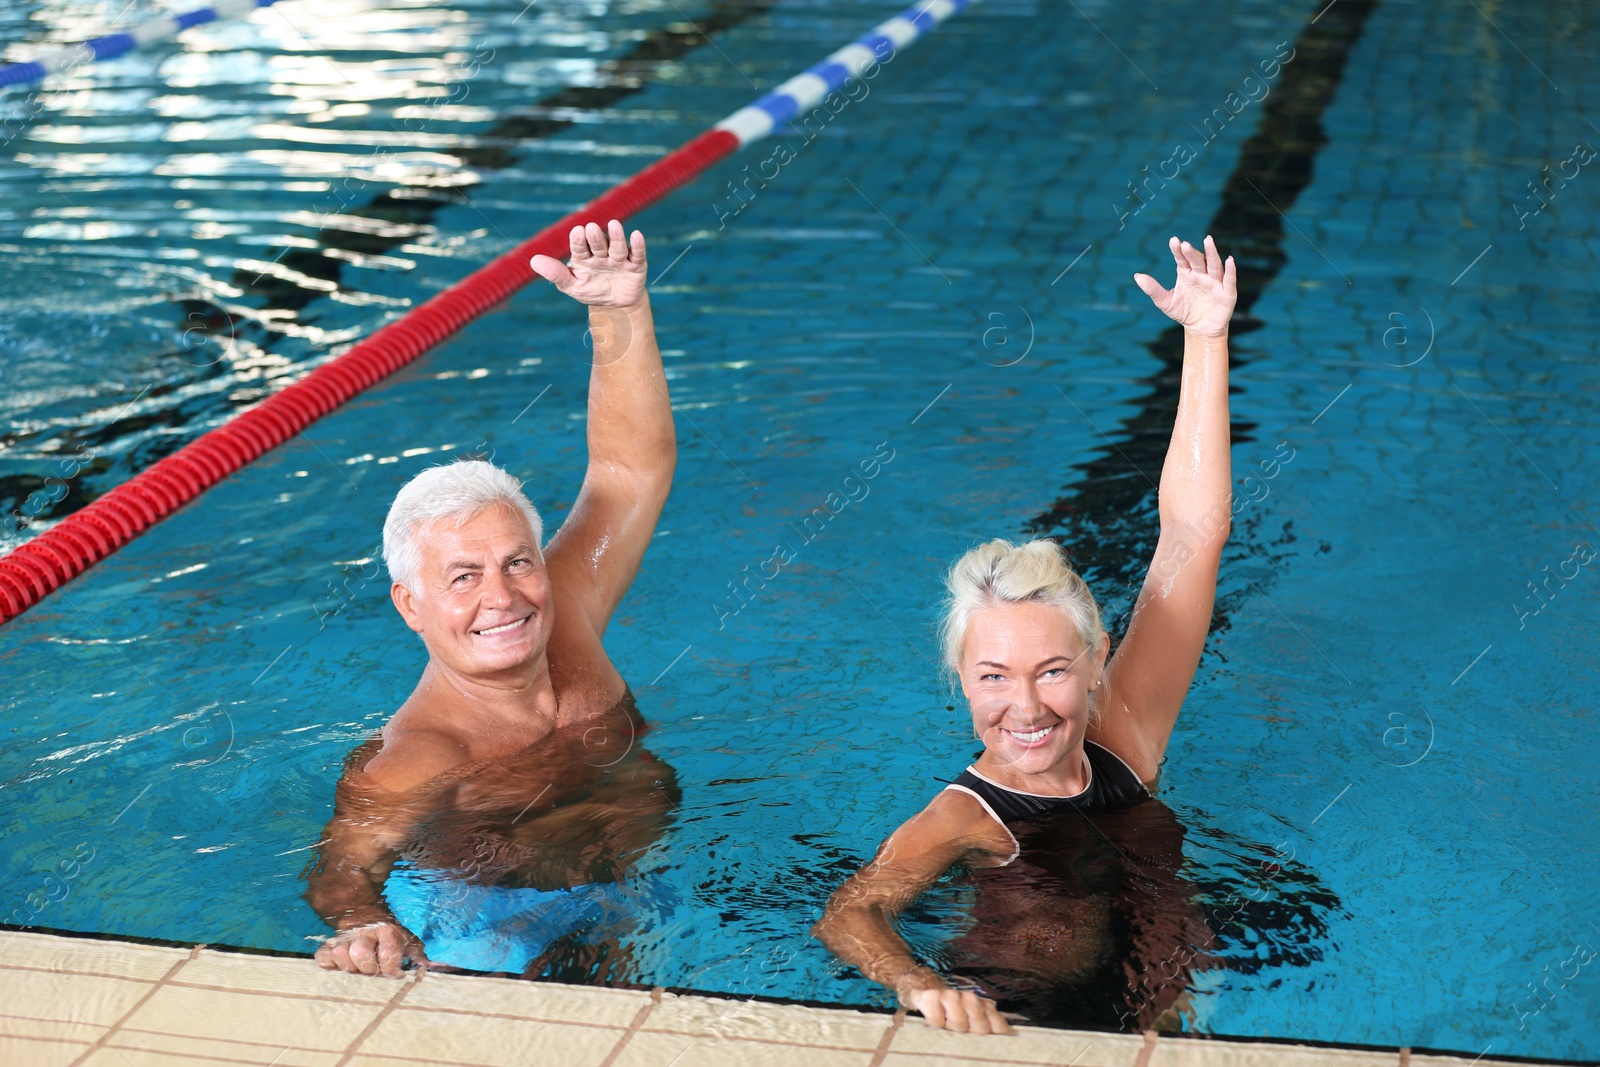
{"x":492,"y":822}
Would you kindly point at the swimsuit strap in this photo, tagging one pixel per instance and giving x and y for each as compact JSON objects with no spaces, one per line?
{"x":1111,"y":783}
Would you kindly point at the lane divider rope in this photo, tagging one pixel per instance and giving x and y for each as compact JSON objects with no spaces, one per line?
{"x":68,"y":57}
{"x":56,"y":556}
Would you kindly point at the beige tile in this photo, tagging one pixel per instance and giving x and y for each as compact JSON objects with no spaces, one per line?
{"x":15,"y":1026}
{"x":647,"y":1049}
{"x":85,"y":955}
{"x":754,"y":1020}
{"x":71,"y":998}
{"x":492,"y":1042}
{"x":529,"y":1000}
{"x":260,"y":1018}
{"x":120,"y":1057}
{"x":1455,"y":1061}
{"x":37,"y":1053}
{"x":918,"y":1043}
{"x":278,"y":974}
{"x":278,"y":1053}
{"x":917,"y":1059}
{"x":1191,"y":1052}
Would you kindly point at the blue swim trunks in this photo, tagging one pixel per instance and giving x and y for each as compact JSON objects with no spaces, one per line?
{"x":499,"y":928}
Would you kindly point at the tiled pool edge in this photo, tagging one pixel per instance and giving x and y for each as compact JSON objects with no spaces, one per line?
{"x":96,"y":1000}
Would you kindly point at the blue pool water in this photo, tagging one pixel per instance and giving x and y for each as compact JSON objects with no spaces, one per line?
{"x":944,"y":272}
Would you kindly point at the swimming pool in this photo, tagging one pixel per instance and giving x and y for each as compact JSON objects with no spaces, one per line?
{"x":1385,"y":695}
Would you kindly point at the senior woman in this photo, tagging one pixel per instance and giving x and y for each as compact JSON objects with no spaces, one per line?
{"x":1075,"y":864}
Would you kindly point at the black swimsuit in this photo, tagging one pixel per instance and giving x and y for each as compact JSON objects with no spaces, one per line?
{"x":1112,"y":783}
{"x":1085,"y":924}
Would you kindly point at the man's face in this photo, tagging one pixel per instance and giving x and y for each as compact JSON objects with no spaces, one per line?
{"x":483,"y":606}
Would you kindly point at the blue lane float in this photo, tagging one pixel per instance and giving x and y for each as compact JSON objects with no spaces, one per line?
{"x":148,"y":32}
{"x":805,"y":91}
{"x":77,"y":542}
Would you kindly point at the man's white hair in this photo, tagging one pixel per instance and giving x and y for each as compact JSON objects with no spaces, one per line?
{"x":454,"y":491}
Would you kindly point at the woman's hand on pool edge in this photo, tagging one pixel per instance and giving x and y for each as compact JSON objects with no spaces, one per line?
{"x":373,"y":949}
{"x":606,"y":268}
{"x":1201,"y":300}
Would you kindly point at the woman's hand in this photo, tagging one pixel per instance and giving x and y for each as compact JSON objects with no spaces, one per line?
{"x":944,"y":1008}
{"x":371,"y":948}
{"x":606,"y":269}
{"x":1202,"y":299}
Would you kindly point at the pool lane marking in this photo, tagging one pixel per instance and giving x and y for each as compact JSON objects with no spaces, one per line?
{"x":706,"y":37}
{"x":1299,"y":231}
{"x":69,"y":57}
{"x":50,"y":560}
{"x":1139,"y":470}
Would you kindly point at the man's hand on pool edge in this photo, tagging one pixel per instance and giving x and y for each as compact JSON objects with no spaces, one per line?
{"x":372,"y":949}
{"x":924,"y":990}
{"x":606,"y":268}
{"x":960,"y":1010}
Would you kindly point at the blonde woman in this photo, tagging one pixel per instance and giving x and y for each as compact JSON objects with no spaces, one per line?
{"x":1075,"y":864}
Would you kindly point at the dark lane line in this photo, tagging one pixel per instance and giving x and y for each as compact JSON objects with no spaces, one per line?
{"x":400,"y":215}
{"x":406,"y":211}
{"x":1105,"y":518}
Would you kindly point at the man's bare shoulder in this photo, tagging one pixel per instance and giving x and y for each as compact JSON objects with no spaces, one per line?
{"x":407,"y":757}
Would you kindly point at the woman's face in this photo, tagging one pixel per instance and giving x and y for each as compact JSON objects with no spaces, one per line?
{"x":1027,"y":675}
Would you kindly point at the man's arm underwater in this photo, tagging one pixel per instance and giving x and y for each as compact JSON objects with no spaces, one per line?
{"x":345,"y":885}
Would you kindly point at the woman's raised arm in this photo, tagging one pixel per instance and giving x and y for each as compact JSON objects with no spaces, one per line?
{"x":1150,"y":674}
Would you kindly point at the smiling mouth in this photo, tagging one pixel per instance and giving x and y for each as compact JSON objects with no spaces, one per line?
{"x":1033,"y":737}
{"x":505,"y":628}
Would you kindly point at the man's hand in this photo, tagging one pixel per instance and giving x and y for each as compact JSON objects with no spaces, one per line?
{"x":960,"y":1010}
{"x":606,"y":269}
{"x":1202,"y":299}
{"x":372,"y":948}
{"x":944,"y":1008}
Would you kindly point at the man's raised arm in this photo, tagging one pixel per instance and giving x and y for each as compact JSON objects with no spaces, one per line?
{"x":632,"y":441}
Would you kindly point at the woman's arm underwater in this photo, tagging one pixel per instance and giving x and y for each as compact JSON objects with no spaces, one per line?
{"x":858,"y":923}
{"x":1152,"y":669}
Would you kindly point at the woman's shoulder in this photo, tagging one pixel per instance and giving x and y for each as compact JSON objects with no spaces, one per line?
{"x":959,"y":814}
{"x":1114,"y":777}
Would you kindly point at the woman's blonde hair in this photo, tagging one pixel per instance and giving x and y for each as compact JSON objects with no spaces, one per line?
{"x":1000,"y":572}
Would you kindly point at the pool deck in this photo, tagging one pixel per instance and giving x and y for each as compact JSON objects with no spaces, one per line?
{"x":69,"y":1000}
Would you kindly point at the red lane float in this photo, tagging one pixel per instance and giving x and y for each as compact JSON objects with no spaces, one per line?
{"x":82,"y":539}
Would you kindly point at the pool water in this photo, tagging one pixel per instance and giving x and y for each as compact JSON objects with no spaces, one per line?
{"x":1388,"y":746}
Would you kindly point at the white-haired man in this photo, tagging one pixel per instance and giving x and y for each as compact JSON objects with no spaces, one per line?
{"x":506,"y":793}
